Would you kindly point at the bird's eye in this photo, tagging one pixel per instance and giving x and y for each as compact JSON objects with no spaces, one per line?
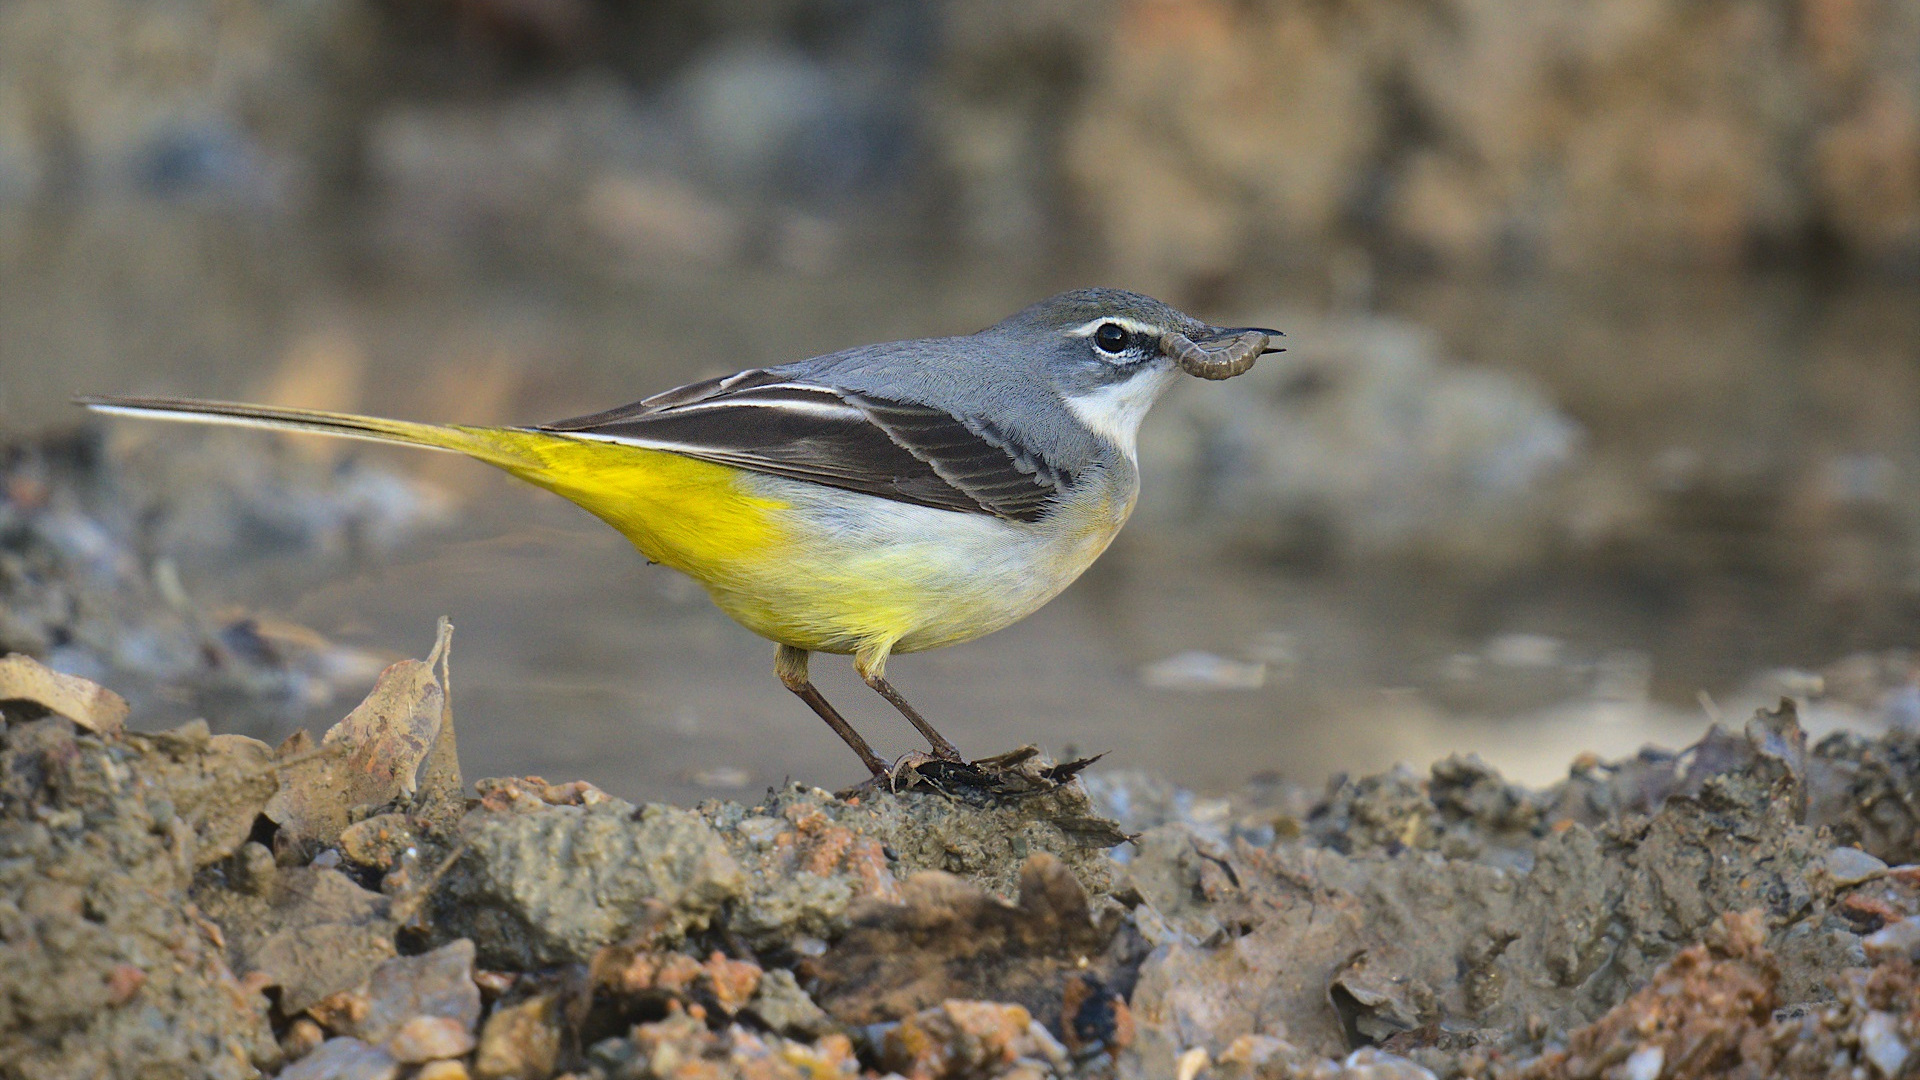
{"x":1111,"y":338}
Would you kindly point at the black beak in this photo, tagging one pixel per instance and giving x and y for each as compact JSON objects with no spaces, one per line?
{"x":1220,"y":332}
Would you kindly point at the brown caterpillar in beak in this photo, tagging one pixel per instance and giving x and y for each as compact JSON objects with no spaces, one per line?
{"x":1222,"y":359}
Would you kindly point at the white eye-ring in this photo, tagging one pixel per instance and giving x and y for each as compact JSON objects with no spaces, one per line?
{"x":1111,"y":338}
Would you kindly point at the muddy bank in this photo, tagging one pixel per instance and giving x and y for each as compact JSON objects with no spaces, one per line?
{"x":192,"y":905}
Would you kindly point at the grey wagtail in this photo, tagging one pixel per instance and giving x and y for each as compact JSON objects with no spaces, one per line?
{"x":885,"y":499}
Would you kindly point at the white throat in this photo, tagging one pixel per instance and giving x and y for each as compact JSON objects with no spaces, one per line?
{"x":1114,"y":412}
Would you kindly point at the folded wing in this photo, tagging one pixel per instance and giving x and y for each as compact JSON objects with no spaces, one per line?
{"x":772,"y":423}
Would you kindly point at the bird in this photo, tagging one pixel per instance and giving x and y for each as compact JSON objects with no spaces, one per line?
{"x":884,"y":499}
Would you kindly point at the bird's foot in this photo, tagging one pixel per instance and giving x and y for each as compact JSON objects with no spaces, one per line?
{"x":905,"y":771}
{"x":1016,"y":774}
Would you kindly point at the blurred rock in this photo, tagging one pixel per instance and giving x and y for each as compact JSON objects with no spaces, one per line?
{"x":344,"y":1059}
{"x":683,"y":1045}
{"x":93,"y":534}
{"x":958,"y":1039}
{"x":782,"y":1007}
{"x":1201,"y":671}
{"x":226,"y":104}
{"x":430,"y":1038}
{"x":1189,"y":138}
{"x":521,"y":1041}
{"x":1592,"y":136}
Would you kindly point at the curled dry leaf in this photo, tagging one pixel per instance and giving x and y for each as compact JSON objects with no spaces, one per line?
{"x":372,"y":757}
{"x":92,"y":706}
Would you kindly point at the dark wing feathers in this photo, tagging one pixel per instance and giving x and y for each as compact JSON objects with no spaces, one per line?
{"x":988,"y":465}
{"x":770,"y":423}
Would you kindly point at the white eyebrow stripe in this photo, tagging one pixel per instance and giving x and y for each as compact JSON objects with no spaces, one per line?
{"x":1087,"y":328}
{"x":838,"y":410}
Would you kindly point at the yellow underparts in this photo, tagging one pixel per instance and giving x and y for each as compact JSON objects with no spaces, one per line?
{"x":681,"y":512}
{"x":767,"y":563}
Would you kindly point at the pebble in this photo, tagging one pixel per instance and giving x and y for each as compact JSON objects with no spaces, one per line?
{"x":760,"y":831}
{"x":303,"y":1037}
{"x":1881,"y":1044}
{"x":1199,"y":671}
{"x":1894,"y":939}
{"x":1645,"y":1063}
{"x":378,"y":841}
{"x":442,"y":1070}
{"x":520,"y":1041}
{"x":1367,"y":1063}
{"x":344,"y":1059}
{"x":785,"y":1008}
{"x":1851,"y":866}
{"x":434,"y":985}
{"x":430,"y":1038}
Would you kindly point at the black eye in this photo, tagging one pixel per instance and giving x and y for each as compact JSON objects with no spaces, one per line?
{"x":1111,"y":337}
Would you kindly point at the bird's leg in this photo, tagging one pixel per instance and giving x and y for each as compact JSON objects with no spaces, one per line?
{"x":873,"y":670}
{"x":791,"y":665}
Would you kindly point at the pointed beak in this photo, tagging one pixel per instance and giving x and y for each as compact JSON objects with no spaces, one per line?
{"x":1223,"y":352}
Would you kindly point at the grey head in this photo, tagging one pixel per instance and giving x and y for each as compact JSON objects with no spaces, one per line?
{"x":1069,"y":377}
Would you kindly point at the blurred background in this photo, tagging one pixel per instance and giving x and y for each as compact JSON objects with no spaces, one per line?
{"x":1601,"y":417}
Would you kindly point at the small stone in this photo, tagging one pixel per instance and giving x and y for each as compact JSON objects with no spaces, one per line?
{"x":1851,"y":866}
{"x":442,"y":1070}
{"x":303,"y":1037}
{"x":1367,"y":1063}
{"x":344,"y":1059}
{"x":786,"y":1009}
{"x":254,"y":868}
{"x":962,"y":1038}
{"x":760,"y":831}
{"x":123,"y":982}
{"x":1880,"y":1043}
{"x":494,"y":984}
{"x":1894,"y":939}
{"x":733,"y":982}
{"x":430,"y":1038}
{"x":1645,"y":1063}
{"x":378,"y":841}
{"x":437,"y":984}
{"x":1253,"y":1051}
{"x":520,"y":1041}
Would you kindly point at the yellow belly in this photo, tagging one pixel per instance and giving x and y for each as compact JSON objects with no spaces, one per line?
{"x":827,"y":570}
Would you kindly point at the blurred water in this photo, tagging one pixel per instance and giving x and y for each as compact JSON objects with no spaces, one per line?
{"x":1739,"y":496}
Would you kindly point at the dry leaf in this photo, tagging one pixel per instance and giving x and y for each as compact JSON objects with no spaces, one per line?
{"x":315,"y":933}
{"x":373,"y":756}
{"x":92,"y":706}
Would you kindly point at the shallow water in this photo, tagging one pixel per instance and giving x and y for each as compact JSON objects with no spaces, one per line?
{"x":1763,"y":430}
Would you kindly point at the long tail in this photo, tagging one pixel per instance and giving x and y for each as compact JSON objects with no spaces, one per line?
{"x":505,"y":447}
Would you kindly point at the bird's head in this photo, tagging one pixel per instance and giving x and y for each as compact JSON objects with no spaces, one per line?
{"x":1110,"y":353}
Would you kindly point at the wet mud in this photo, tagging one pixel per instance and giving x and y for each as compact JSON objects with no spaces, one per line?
{"x":183,"y":904}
